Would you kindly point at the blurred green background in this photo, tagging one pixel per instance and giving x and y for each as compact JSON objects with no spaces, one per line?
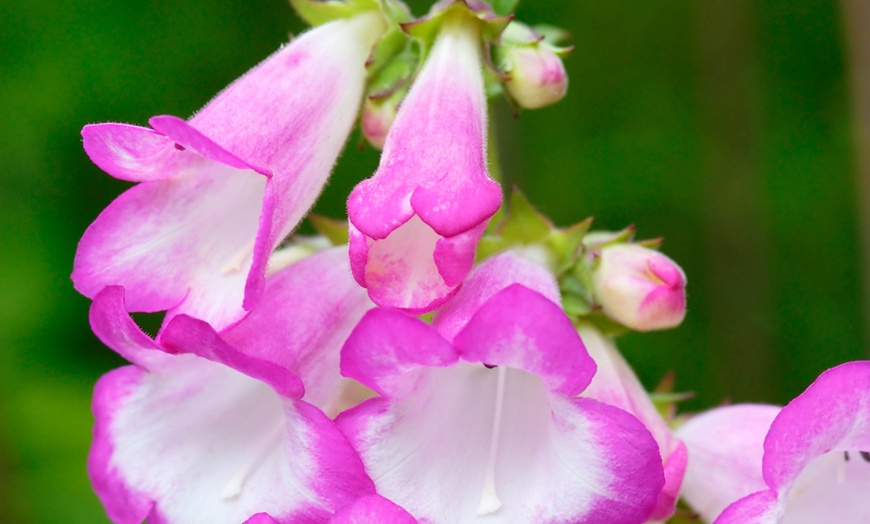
{"x":723,"y":125}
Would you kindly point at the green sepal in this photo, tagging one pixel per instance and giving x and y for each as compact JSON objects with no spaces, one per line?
{"x":504,"y":7}
{"x":490,"y":246}
{"x":317,"y":12}
{"x":605,"y":324}
{"x":394,"y":41}
{"x":551,"y":34}
{"x":394,"y":74}
{"x":524,"y":223}
{"x":426,"y":29}
{"x":575,"y":305}
{"x":665,"y":399}
{"x":652,"y":243}
{"x":601,"y":239}
{"x":334,"y":230}
{"x":567,"y":243}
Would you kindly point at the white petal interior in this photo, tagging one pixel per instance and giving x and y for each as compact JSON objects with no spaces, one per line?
{"x":434,"y":457}
{"x":403,"y":265}
{"x":831,"y":489}
{"x":209,"y":444}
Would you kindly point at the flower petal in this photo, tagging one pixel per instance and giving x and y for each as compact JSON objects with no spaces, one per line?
{"x":616,"y":384}
{"x":195,"y":237}
{"x":758,"y":508}
{"x":433,"y":163}
{"x":200,"y":442}
{"x":303,"y":331}
{"x":522,"y":329}
{"x":486,"y":280}
{"x":167,"y":244}
{"x":725,"y":450}
{"x":134,"y":153}
{"x":832,"y":414}
{"x":373,"y":509}
{"x":558,"y":460}
{"x":403,"y":345}
{"x":112,"y":324}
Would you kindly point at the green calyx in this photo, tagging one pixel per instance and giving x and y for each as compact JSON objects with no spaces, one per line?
{"x":317,"y":12}
{"x":523,"y":226}
{"x":426,"y":29}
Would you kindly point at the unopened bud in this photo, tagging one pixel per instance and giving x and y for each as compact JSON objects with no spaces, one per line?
{"x":640,"y":288}
{"x":537,"y":75}
{"x":378,"y":115}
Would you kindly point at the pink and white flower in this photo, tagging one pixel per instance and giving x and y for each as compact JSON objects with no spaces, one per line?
{"x":415,"y":224}
{"x":219,"y":427}
{"x":480,"y":420}
{"x":639,"y":287}
{"x":616,"y":384}
{"x":810,"y":466}
{"x":217,"y":193}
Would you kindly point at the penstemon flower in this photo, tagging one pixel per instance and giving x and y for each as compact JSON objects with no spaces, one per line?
{"x":806,"y":463}
{"x":485,"y":424}
{"x":218,"y":193}
{"x":217,"y":427}
{"x":415,"y":224}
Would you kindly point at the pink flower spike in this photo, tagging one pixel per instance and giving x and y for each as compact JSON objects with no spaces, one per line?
{"x":640,"y":287}
{"x":616,"y":384}
{"x":416,"y":223}
{"x":218,"y":427}
{"x":218,"y":193}
{"x":455,"y":441}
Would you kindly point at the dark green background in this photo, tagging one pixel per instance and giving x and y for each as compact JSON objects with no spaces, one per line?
{"x":722,"y":125}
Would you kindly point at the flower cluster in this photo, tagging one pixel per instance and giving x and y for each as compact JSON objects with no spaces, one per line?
{"x":443,"y":358}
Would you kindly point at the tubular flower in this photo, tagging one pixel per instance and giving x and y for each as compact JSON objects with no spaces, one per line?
{"x":526,"y":449}
{"x":415,"y":224}
{"x":211,"y":427}
{"x":815,"y":466}
{"x":639,"y":287}
{"x":217,"y":193}
{"x":616,"y":384}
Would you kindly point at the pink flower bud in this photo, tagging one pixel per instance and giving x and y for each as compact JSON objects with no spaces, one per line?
{"x":537,"y":75}
{"x":377,"y":117}
{"x":639,"y":287}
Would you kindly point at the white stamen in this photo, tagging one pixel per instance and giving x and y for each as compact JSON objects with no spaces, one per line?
{"x":233,"y":488}
{"x":238,"y":260}
{"x":489,"y":501}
